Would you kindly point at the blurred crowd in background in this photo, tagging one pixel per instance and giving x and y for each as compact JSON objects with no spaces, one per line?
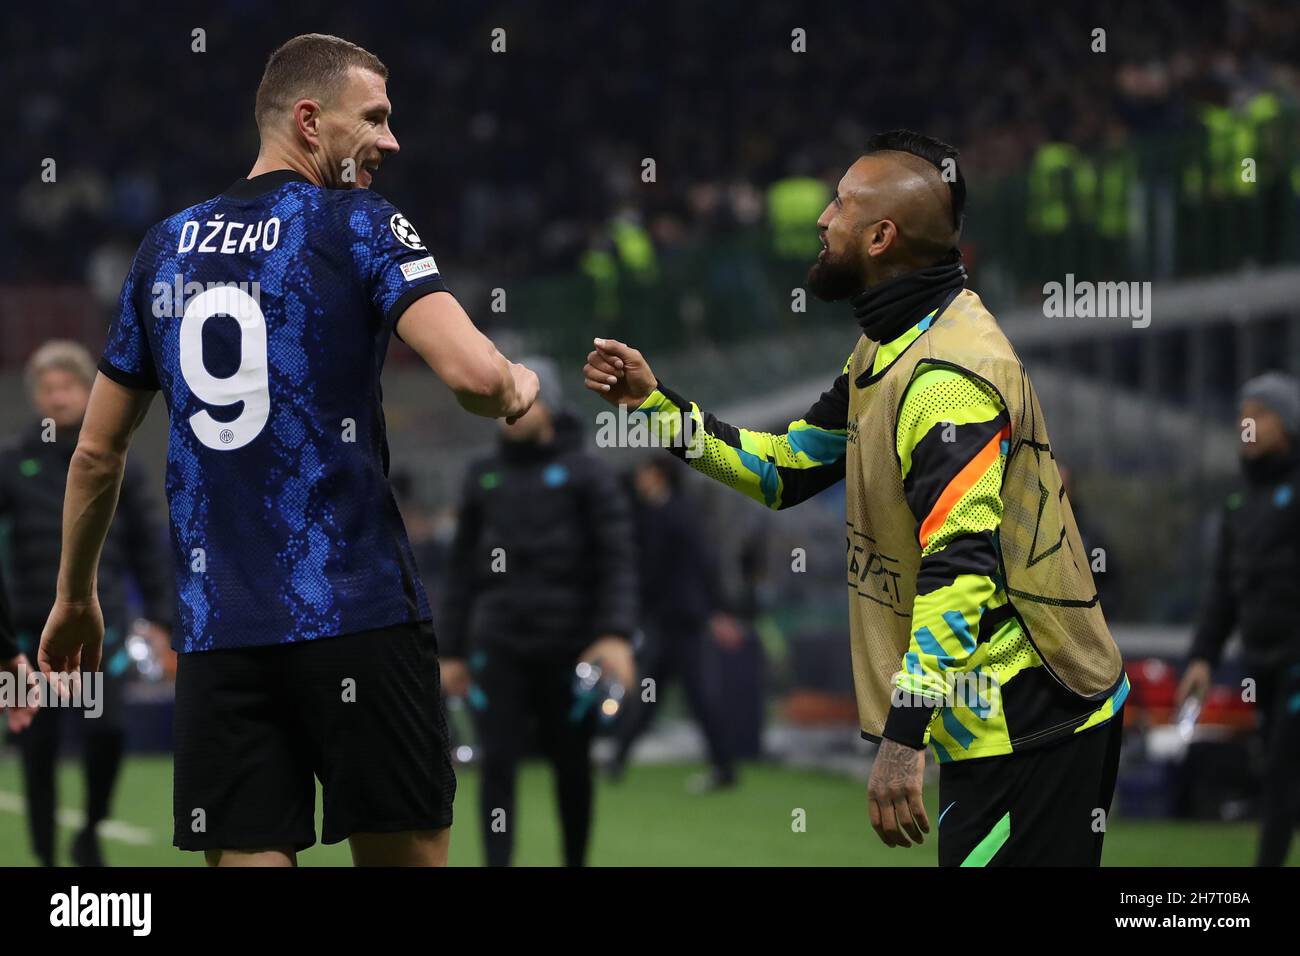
{"x":518,"y":163}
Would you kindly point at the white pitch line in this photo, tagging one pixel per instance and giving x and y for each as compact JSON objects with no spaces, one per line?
{"x":71,"y":819}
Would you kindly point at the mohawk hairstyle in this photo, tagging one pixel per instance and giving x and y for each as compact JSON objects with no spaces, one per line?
{"x":933,"y":151}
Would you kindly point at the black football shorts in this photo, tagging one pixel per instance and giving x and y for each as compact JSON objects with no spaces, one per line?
{"x":1043,"y":807}
{"x":256,"y":727}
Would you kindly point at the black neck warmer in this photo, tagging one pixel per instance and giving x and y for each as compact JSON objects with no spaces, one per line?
{"x":887,"y":310}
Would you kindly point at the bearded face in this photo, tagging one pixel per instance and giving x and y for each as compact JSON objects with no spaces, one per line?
{"x":838,"y":274}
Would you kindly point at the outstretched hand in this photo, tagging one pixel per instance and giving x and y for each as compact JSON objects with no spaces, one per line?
{"x":618,"y":373}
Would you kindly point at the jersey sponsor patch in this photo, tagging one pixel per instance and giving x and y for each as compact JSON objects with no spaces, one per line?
{"x":419,"y":267}
{"x":404,"y":231}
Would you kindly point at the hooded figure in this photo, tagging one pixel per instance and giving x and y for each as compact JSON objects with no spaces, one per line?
{"x":1252,"y":588}
{"x":541,"y":576}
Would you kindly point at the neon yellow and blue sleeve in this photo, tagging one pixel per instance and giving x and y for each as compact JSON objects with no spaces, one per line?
{"x":776,"y":470}
{"x":952,"y":442}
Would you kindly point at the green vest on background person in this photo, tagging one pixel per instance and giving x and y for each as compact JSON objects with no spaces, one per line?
{"x":1106,"y":204}
{"x":599,"y":266}
{"x":793,"y":204}
{"x":1233,"y":136}
{"x":635,"y":248}
{"x":1057,"y":174}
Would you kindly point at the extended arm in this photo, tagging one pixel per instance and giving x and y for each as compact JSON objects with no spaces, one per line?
{"x":74,"y":633}
{"x":776,"y":470}
{"x":480,"y":377}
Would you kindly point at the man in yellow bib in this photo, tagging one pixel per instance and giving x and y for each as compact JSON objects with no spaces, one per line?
{"x":975,"y":624}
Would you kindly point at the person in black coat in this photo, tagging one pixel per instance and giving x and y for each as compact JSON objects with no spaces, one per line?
{"x":682,"y":606}
{"x":541,"y":576}
{"x":1253,"y":587}
{"x":19,"y":695}
{"x":33,"y":474}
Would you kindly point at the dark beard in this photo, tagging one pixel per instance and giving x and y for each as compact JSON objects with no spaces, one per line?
{"x":833,"y":280}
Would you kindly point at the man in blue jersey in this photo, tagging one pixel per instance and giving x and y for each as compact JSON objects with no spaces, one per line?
{"x":263,"y":316}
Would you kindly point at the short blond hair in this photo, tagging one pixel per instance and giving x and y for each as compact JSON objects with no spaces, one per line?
{"x":62,"y":354}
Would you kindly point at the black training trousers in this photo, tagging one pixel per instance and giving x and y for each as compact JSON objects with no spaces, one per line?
{"x":511,"y":692}
{"x":1279,"y":702}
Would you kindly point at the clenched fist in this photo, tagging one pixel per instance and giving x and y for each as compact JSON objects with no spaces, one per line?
{"x":618,"y":373}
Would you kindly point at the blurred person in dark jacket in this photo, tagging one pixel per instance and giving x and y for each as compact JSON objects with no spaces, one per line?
{"x":19,"y":693}
{"x":680,"y":605}
{"x":540,"y":577}
{"x":1253,"y":587}
{"x":33,"y":474}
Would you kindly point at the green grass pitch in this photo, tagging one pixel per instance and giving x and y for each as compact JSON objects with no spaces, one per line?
{"x":647,"y":820}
